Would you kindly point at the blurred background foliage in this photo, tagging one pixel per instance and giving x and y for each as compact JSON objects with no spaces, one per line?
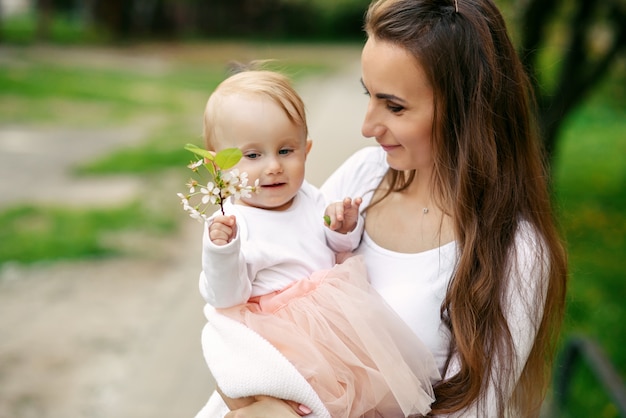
{"x":573,"y":49}
{"x":568,"y":46}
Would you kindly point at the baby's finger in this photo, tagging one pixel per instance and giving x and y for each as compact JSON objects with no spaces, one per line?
{"x":221,"y":233}
{"x":339,"y":211}
{"x":219,"y":236}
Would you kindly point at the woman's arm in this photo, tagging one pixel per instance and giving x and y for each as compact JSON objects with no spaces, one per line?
{"x":263,"y":407}
{"x":524,"y":301}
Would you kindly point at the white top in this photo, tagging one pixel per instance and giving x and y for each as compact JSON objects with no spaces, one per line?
{"x":414,"y":285}
{"x":271,"y":249}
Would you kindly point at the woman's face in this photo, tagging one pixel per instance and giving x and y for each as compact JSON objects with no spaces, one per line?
{"x":400,"y":110}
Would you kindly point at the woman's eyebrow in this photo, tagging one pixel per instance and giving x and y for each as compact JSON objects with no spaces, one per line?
{"x":385,"y":96}
{"x":393,"y":98}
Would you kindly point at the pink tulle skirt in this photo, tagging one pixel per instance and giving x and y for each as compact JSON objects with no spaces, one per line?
{"x":358,"y":355}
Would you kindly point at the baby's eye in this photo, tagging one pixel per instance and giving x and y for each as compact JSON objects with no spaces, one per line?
{"x":284,"y":151}
{"x":252,"y":155}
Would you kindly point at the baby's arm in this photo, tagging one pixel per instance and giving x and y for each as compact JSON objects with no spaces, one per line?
{"x":224,"y":280}
{"x":223,"y":229}
{"x":343,"y":216}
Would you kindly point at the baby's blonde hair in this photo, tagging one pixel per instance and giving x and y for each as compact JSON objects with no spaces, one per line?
{"x":270,"y":84}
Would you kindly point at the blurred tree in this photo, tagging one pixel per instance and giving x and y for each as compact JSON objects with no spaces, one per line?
{"x":590,"y":35}
{"x":115,"y":17}
{"x":44,"y":19}
{"x":258,"y":18}
{"x":567,"y":46}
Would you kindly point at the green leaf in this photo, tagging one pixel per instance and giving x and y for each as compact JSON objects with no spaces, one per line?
{"x":200,"y":151}
{"x":228,"y":158}
{"x":327,"y":220}
{"x":210,"y":166}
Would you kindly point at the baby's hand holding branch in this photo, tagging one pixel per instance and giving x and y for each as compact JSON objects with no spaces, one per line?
{"x":223,"y":229}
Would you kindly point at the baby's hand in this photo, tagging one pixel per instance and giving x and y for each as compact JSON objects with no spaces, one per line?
{"x":222,"y":229}
{"x":343,"y":216}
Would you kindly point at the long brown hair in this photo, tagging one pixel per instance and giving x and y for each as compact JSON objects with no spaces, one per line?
{"x":491,"y":174}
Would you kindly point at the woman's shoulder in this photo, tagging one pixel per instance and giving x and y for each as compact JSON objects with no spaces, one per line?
{"x":530,"y":256}
{"x":360,"y":173}
{"x":528,"y":240}
{"x":367,"y":156}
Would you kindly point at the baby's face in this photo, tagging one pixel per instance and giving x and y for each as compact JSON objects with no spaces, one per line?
{"x":274,"y":148}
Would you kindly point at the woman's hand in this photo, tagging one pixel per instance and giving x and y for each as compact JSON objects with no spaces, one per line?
{"x":268,"y":407}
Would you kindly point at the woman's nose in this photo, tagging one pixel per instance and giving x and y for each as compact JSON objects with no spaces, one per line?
{"x":371,"y":128}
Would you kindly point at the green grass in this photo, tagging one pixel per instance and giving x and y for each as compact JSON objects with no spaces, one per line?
{"x":163,"y":150}
{"x":44,"y":92}
{"x":64,"y":29}
{"x":33,"y":233}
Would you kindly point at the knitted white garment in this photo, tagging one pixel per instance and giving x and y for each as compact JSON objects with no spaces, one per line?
{"x":245,"y":364}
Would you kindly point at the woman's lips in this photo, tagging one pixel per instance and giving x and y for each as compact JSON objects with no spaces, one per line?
{"x":388,"y":148}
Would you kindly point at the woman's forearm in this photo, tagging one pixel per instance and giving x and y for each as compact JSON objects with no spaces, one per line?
{"x":263,"y":407}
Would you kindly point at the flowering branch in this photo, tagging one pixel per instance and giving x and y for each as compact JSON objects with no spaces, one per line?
{"x":221,"y":184}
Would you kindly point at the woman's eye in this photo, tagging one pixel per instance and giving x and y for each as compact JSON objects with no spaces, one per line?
{"x":394,"y":108}
{"x":365,"y":90}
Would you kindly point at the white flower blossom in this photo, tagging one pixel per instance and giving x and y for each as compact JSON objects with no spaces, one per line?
{"x":196,"y":164}
{"x":245,"y":193}
{"x":224,"y":185}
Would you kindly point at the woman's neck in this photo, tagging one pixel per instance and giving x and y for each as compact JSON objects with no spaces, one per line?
{"x":411,"y":220}
{"x":419,"y":192}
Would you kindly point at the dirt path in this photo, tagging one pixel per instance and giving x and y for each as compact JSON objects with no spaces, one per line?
{"x":121,"y":338}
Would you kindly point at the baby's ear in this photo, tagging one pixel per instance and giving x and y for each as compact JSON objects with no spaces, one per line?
{"x":309,"y":144}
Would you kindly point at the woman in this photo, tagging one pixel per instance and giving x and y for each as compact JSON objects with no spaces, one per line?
{"x":459,"y":234}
